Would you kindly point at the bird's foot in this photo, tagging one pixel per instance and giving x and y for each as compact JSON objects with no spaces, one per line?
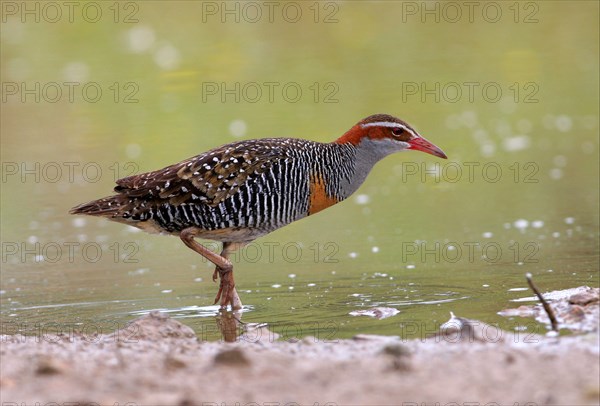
{"x":227,"y":294}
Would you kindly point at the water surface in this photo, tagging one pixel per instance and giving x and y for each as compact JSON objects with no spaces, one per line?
{"x":518,"y":194}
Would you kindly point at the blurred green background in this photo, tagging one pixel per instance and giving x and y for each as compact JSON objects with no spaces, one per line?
{"x":511,"y":87}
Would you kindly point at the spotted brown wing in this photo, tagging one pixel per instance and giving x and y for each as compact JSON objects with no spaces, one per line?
{"x":209,"y":178}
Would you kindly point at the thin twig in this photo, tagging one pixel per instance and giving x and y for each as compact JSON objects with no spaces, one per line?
{"x":545,"y":304}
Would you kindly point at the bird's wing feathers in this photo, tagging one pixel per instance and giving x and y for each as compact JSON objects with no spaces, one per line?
{"x":209,"y":178}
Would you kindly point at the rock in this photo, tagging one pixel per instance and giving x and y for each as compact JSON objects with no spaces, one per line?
{"x":309,"y":340}
{"x":377,"y":312}
{"x":576,"y":309}
{"x":585,"y":298}
{"x":234,"y":357}
{"x":461,"y":329}
{"x":400,"y":355}
{"x":396,"y":350}
{"x":173,"y":363}
{"x":48,"y":365}
{"x":576,"y":313}
{"x":154,"y":327}
{"x":521,"y":311}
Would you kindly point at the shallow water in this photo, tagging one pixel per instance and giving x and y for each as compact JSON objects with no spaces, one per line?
{"x":518,"y":194}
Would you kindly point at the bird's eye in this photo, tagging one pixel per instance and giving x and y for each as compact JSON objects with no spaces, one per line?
{"x":397,"y":131}
{"x":401,"y":134}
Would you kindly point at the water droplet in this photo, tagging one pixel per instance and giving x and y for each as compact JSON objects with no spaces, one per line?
{"x":167,"y":57}
{"x":517,"y":143}
{"x":521,"y":224}
{"x":79,"y":222}
{"x":560,"y":160}
{"x":76,"y":72}
{"x":238,"y":128}
{"x":140,"y":271}
{"x":556,"y":173}
{"x":140,"y":39}
{"x":488,"y":149}
{"x":588,"y":147}
{"x":133,"y":150}
{"x":469,"y":118}
{"x":524,"y":125}
{"x":362,"y":199}
{"x":563,"y":123}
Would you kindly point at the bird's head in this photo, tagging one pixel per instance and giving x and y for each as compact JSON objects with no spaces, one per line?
{"x":387,"y":134}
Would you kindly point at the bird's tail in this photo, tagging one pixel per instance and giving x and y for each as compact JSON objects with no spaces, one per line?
{"x":105,"y":207}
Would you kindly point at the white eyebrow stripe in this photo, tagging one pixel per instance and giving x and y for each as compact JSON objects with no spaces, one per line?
{"x":390,"y":125}
{"x":383,"y":124}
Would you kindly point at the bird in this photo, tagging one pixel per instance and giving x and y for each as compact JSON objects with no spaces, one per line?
{"x":243,"y":190}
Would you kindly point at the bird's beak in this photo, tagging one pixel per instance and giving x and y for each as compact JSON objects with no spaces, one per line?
{"x":421,"y":144}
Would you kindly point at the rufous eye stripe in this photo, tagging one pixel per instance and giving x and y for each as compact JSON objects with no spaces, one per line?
{"x":390,"y":125}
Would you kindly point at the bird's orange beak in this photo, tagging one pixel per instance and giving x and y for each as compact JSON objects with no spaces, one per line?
{"x":421,"y":144}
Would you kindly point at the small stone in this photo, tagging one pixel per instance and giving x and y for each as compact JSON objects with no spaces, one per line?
{"x":173,"y":363}
{"x":233,"y":357}
{"x":309,"y":340}
{"x":576,"y":313}
{"x":49,"y":366}
{"x":154,"y":326}
{"x":396,"y":350}
{"x":583,"y":299}
{"x":400,"y":357}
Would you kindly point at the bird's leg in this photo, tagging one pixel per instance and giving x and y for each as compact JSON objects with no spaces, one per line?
{"x":227,"y":292}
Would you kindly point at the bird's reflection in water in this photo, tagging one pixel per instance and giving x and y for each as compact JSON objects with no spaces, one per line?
{"x":229,"y":324}
{"x":233,"y":329}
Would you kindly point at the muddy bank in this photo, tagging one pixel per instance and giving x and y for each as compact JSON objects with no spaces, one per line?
{"x":160,"y":361}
